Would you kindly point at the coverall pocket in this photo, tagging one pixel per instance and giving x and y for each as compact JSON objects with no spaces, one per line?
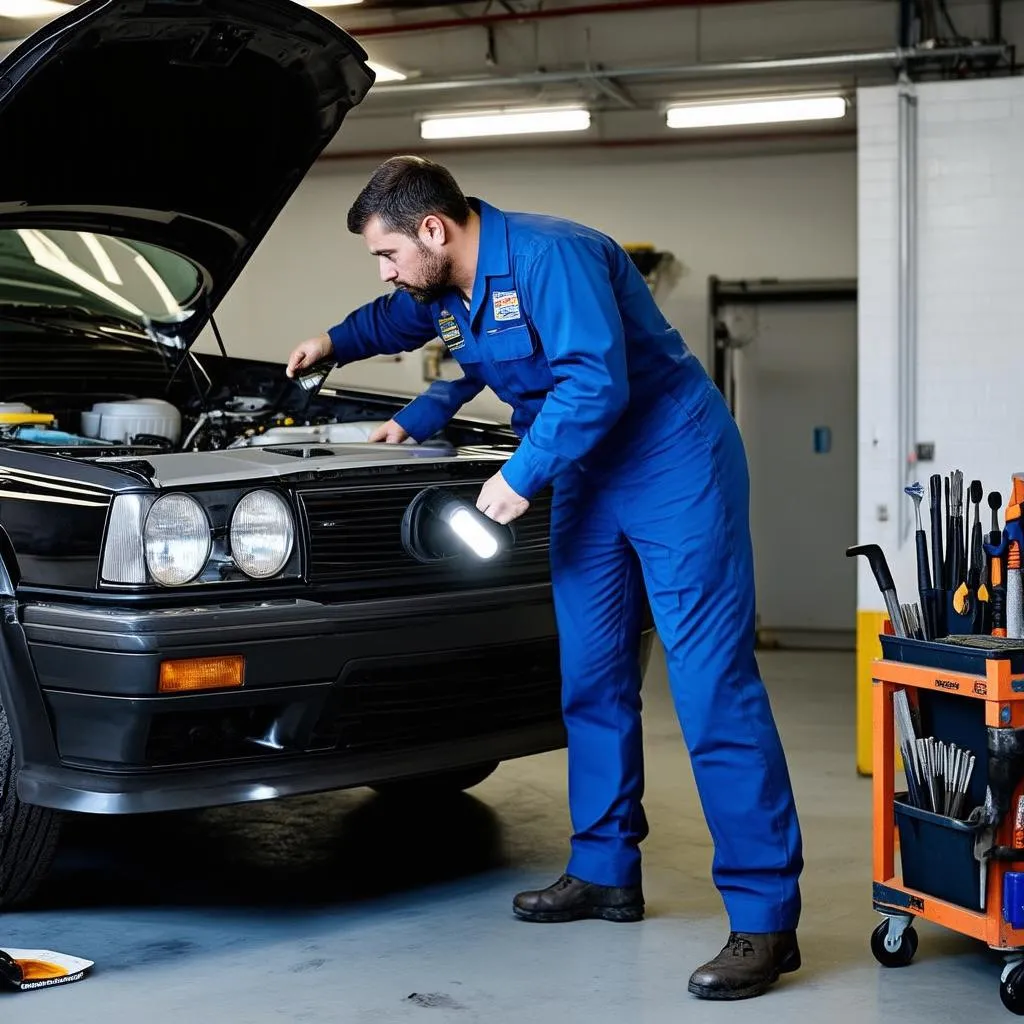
{"x":509,"y":343}
{"x":520,"y":364}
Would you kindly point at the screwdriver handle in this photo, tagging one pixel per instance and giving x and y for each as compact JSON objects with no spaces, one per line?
{"x":998,"y":596}
{"x":935,"y":512}
{"x":924,"y":576}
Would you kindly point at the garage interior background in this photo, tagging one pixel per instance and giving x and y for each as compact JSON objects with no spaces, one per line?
{"x":820,"y":387}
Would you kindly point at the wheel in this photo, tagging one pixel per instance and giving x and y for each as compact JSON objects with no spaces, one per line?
{"x":1011,"y":990}
{"x":438,"y":784}
{"x":28,"y":835}
{"x":904,"y":952}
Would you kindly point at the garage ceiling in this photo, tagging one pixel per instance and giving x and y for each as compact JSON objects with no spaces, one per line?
{"x":625,"y":60}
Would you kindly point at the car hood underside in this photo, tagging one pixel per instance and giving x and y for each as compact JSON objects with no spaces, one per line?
{"x":184,"y":124}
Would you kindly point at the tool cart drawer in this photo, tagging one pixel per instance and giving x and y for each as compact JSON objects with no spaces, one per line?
{"x":937,"y":856}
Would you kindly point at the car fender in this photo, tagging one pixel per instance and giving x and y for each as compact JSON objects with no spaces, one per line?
{"x":10,"y":572}
{"x":20,"y":694}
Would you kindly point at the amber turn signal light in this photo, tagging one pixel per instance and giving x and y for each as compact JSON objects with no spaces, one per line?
{"x":189,"y":674}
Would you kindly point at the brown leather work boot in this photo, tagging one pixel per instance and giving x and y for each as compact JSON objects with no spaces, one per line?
{"x":747,"y":966}
{"x":571,"y":899}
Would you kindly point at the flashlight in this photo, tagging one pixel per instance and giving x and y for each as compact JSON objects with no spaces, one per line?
{"x":438,"y":524}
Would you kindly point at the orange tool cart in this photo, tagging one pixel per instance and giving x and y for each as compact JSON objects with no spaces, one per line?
{"x":949,"y":700}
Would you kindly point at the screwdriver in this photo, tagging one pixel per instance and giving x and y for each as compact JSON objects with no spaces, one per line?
{"x":996,"y":549}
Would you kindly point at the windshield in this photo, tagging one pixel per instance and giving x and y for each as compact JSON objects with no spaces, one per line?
{"x":55,"y":270}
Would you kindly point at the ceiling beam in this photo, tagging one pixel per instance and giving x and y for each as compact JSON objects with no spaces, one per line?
{"x":540,"y":14}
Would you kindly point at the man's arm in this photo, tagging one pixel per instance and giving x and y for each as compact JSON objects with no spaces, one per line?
{"x":426,"y":414}
{"x":570,"y":299}
{"x":392,"y":323}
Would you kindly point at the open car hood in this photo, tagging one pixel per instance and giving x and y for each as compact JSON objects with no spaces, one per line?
{"x":184,"y":125}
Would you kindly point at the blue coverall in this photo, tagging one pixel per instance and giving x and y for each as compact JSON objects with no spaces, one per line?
{"x":650,"y":489}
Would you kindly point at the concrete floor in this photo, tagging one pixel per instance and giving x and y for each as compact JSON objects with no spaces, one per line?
{"x":345,"y":908}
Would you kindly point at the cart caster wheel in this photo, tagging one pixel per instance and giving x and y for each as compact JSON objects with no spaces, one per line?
{"x":902,"y":954}
{"x":1011,"y":990}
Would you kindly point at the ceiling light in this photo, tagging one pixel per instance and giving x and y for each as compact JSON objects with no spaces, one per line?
{"x":329,"y":3}
{"x":757,"y":111}
{"x":384,"y":73}
{"x":508,"y":122}
{"x":33,"y":8}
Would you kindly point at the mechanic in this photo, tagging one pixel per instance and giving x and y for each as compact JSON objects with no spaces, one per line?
{"x":649,"y":490}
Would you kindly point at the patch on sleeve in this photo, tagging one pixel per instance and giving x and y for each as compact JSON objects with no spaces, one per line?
{"x":506,"y":305}
{"x":448,"y":328}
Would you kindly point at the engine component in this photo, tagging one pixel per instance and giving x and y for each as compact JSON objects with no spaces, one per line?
{"x":122,"y":421}
{"x":44,"y":435}
{"x":322,"y":433}
{"x":18,"y":413}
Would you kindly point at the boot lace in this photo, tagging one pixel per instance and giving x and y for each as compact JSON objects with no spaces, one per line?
{"x":739,"y":946}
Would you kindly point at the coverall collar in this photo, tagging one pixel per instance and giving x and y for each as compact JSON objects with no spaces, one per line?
{"x":492,"y":258}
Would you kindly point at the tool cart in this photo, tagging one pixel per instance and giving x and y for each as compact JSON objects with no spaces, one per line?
{"x":964,"y":872}
{"x":948,"y":697}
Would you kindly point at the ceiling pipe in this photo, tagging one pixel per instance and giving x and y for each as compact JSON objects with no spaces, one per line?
{"x":643,"y":142}
{"x":896,"y":56}
{"x":508,"y":17}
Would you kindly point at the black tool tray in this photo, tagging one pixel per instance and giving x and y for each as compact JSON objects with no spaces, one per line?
{"x":968,"y":654}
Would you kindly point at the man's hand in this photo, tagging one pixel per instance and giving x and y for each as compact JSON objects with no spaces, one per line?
{"x":499,"y":502}
{"x":389,"y":433}
{"x":308,"y":353}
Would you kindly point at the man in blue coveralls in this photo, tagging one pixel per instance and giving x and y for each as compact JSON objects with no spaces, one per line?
{"x":650,"y":490}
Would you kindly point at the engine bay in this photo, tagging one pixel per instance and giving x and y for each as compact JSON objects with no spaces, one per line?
{"x":134,"y":401}
{"x":155,"y":423}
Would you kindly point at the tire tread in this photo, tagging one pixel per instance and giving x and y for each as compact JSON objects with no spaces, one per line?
{"x":28,"y":835}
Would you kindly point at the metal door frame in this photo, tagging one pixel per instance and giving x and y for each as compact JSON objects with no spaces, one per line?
{"x":758,"y":291}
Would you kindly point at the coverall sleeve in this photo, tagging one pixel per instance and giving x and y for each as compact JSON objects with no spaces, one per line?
{"x":391,"y":323}
{"x":428,"y":413}
{"x":571,"y":301}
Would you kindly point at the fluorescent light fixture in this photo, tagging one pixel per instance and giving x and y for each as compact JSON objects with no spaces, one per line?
{"x":329,"y":3}
{"x":386,"y":74}
{"x":33,"y":8}
{"x":505,"y":122}
{"x":768,"y":110}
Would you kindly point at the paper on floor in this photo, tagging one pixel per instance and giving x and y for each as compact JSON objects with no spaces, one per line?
{"x":27,"y":969}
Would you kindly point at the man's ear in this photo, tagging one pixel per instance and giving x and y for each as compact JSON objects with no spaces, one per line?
{"x":433,"y":230}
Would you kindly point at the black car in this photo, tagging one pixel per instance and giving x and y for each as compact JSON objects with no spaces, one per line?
{"x":214,"y":589}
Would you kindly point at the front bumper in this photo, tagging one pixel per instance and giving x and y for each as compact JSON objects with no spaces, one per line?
{"x":334,"y":696}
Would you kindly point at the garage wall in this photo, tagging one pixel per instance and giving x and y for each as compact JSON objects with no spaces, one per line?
{"x":791,"y":215}
{"x":971,"y":268}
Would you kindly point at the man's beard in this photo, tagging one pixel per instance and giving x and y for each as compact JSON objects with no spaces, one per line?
{"x":437,"y":274}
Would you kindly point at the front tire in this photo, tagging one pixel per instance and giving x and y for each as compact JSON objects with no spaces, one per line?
{"x":28,"y":835}
{"x":440,"y":784}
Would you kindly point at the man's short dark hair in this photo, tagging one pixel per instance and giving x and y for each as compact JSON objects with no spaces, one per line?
{"x":404,"y":190}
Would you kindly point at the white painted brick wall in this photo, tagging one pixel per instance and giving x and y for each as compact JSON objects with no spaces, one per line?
{"x":970,"y":297}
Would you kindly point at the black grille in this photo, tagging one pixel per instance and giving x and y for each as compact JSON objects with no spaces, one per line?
{"x":403,"y":703}
{"x":355,"y":538}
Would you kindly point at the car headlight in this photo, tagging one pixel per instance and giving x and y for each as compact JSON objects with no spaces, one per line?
{"x":262,"y":534}
{"x":176,"y":539}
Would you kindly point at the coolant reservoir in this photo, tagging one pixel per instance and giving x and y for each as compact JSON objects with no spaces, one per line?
{"x":122,"y":421}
